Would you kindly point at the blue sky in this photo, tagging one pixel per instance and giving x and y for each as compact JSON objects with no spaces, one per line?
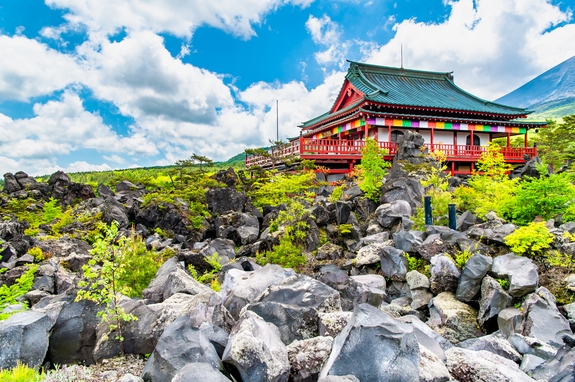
{"x":105,"y":84}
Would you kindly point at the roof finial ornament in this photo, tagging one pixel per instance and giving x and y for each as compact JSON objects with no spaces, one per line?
{"x":401,"y":55}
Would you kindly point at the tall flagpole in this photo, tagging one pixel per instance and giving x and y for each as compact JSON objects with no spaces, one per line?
{"x":277,"y":121}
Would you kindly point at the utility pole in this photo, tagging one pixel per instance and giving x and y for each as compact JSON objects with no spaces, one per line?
{"x":277,"y":121}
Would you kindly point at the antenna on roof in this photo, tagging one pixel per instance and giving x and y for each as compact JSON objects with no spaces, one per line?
{"x":401,"y":55}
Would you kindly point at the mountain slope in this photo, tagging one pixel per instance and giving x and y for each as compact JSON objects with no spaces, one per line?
{"x":558,"y":83}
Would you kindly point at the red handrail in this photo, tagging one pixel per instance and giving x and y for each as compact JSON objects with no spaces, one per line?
{"x":309,"y":147}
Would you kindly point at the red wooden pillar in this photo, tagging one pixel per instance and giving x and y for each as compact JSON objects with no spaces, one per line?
{"x":454,"y":146}
{"x":508,"y":139}
{"x":389,"y":134}
{"x":526,"y":140}
{"x":432,"y":138}
{"x":366,"y":130}
{"x":452,"y":168}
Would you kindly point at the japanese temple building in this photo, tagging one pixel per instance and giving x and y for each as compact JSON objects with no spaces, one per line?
{"x":383,"y":103}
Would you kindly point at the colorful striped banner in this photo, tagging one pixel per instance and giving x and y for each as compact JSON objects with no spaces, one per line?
{"x":445,"y":125}
{"x":358,"y":123}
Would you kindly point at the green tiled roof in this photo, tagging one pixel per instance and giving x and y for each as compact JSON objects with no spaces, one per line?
{"x":419,"y":88}
{"x":407,"y":87}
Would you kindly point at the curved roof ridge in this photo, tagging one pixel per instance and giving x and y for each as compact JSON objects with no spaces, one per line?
{"x":486,"y":102}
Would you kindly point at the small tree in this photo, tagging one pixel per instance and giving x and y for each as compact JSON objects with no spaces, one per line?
{"x":196,"y":158}
{"x":372,"y":169}
{"x":102,"y":274}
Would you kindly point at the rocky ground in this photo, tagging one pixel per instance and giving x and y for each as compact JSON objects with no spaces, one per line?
{"x":358,"y":310}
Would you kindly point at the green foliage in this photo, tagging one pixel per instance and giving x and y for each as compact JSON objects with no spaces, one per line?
{"x":531,"y":239}
{"x":416,"y":264}
{"x":556,"y":143}
{"x":208,"y":277}
{"x":558,"y":259}
{"x":22,"y":285}
{"x":21,"y":373}
{"x":461,"y":257}
{"x":140,"y":264}
{"x":372,"y":169}
{"x":504,"y":283}
{"x":545,"y":196}
{"x":39,"y":256}
{"x":101,"y":279}
{"x":490,"y":189}
{"x":283,"y":187}
{"x":336,"y":194}
{"x":344,"y":229}
{"x":285,"y":254}
{"x":293,"y":229}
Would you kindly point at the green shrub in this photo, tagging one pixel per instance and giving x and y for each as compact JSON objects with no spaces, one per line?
{"x":209,"y":277}
{"x":504,"y":283}
{"x":140,"y":263}
{"x":9,"y":294}
{"x":461,"y":257}
{"x":102,"y":277}
{"x":20,"y":373}
{"x":372,"y":169}
{"x":417,"y":264}
{"x":285,"y":254}
{"x":530,"y":239}
{"x":336,"y":194}
{"x":283,"y":188}
{"x":545,"y":196}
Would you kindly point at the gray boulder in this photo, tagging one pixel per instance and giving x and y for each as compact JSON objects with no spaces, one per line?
{"x":444,"y":274}
{"x":406,"y":189}
{"x":393,"y":263}
{"x":353,"y":290}
{"x":520,"y":271}
{"x":223,"y":247}
{"x":470,"y":281}
{"x":471,"y":366}
{"x":493,"y":300}
{"x":294,"y":306}
{"x":24,"y":338}
{"x":408,"y":241}
{"x":387,"y":348}
{"x":10,"y":183}
{"x":342,"y":211}
{"x":255,"y":351}
{"x":329,"y":251}
{"x":542,"y":319}
{"x":452,"y":318}
{"x":306,"y":358}
{"x":242,"y":287}
{"x":510,"y":321}
{"x":370,"y":254}
{"x":73,"y":336}
{"x":427,"y":337}
{"x":199,"y":372}
{"x":241,"y":228}
{"x":222,"y":200}
{"x":389,"y":214}
{"x":331,"y":324}
{"x":431,"y":368}
{"x":179,"y":345}
{"x":465,"y":221}
{"x":170,"y":279}
{"x":494,"y":343}
{"x":528,"y":345}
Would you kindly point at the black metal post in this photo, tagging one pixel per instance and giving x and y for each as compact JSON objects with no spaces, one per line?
{"x":452,"y":216}
{"x":427,"y":208}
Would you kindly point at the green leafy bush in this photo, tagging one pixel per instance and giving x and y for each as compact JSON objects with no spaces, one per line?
{"x":545,"y":196}
{"x":209,"y":277}
{"x":285,"y":254}
{"x":21,"y":373}
{"x":530,"y":239}
{"x":461,"y":257}
{"x":10,"y":294}
{"x":282,"y":188}
{"x":417,"y":264}
{"x":336,"y":194}
{"x":372,"y":169}
{"x":102,"y":277}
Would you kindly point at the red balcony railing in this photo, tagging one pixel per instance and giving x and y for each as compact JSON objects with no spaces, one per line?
{"x":327,"y":148}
